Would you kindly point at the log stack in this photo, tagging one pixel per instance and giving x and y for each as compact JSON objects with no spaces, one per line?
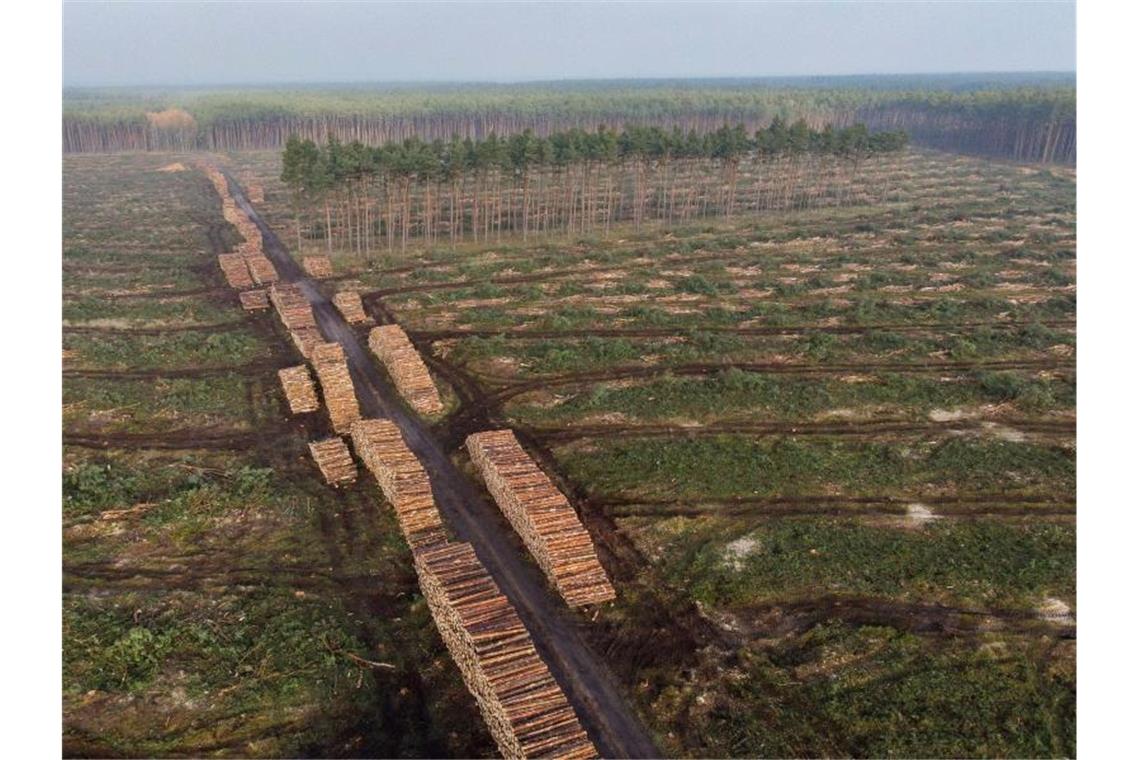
{"x":299,"y":391}
{"x":524,"y":707}
{"x":402,"y":479}
{"x":318,"y":267}
{"x":254,"y":300}
{"x":306,"y":339}
{"x":292,"y":306}
{"x":336,"y":385}
{"x":235,"y":270}
{"x":391,"y":345}
{"x":542,"y":516}
{"x":334,"y":460}
{"x":350,"y":306}
{"x":262,"y":269}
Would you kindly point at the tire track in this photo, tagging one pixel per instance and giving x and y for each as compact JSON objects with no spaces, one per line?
{"x":862,"y":428}
{"x":432,"y":336}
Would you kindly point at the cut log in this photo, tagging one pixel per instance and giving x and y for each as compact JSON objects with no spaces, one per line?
{"x":235,"y":270}
{"x":524,"y":708}
{"x":262,"y":269}
{"x":305,"y":339}
{"x":542,"y":516}
{"x":336,"y":385}
{"x":299,"y":391}
{"x":350,"y":306}
{"x":319,"y":267}
{"x":405,"y":366}
{"x":254,"y":300}
{"x":401,"y":477}
{"x":334,"y":460}
{"x":292,"y":306}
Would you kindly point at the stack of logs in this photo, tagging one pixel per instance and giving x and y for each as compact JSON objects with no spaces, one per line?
{"x":525,"y":709}
{"x":254,"y":300}
{"x":336,"y":385}
{"x":292,"y":306}
{"x":542,"y":516}
{"x":299,"y":391}
{"x":235,"y":270}
{"x":350,"y":306}
{"x":402,"y":479}
{"x":261,"y":268}
{"x":318,"y":267}
{"x":334,"y":460}
{"x":409,"y":374}
{"x":306,"y":339}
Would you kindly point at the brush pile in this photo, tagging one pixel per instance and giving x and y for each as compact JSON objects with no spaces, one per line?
{"x":542,"y":516}
{"x":319,"y":267}
{"x":292,"y":306}
{"x":350,"y":306}
{"x":334,"y":460}
{"x":391,"y":345}
{"x":525,"y":709}
{"x":402,"y":479}
{"x":235,"y":270}
{"x":336,"y":385}
{"x":299,"y":391}
{"x":254,"y":300}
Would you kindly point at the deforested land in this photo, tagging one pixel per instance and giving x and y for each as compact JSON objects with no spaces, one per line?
{"x":799,"y":356}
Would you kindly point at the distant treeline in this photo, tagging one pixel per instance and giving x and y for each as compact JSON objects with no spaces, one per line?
{"x":361,"y":198}
{"x":1022,"y":118}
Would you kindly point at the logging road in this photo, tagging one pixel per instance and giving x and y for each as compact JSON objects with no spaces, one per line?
{"x":590,"y":686}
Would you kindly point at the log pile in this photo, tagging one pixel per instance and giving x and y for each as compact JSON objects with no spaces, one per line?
{"x":261,"y":268}
{"x":319,"y":267}
{"x":254,"y":300}
{"x":336,"y":385}
{"x":299,"y":391}
{"x":402,"y":479}
{"x":542,"y":516}
{"x":350,"y":306}
{"x":391,"y":345}
{"x":334,"y":460}
{"x":235,"y":270}
{"x":306,"y":339}
{"x":292,"y":306}
{"x":524,"y":707}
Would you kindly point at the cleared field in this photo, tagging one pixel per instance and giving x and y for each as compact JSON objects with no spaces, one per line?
{"x":826,"y":455}
{"x":219,"y":599}
{"x":828,"y":452}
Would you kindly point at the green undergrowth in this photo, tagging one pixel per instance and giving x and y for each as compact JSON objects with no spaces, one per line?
{"x":737,"y":466}
{"x":985,"y":564}
{"x":741,"y":396}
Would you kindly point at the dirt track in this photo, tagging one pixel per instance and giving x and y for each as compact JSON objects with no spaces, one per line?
{"x":668,"y":332}
{"x":590,"y":686}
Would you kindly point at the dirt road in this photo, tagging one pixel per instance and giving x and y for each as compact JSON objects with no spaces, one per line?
{"x":591,"y":688}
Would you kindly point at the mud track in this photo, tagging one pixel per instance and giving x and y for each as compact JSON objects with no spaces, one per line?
{"x":797,"y":616}
{"x":177,"y":439}
{"x":431,"y":336}
{"x":511,"y":389}
{"x":962,"y":505}
{"x":253,"y":369}
{"x":128,"y":331}
{"x":557,"y":633}
{"x":862,"y":428}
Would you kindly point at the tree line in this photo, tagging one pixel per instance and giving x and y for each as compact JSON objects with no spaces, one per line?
{"x":1028,"y":118}
{"x":363,"y":198}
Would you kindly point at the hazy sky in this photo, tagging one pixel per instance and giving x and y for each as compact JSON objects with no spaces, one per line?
{"x":273,"y":42}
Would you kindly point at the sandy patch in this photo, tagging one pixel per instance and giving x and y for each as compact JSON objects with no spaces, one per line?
{"x":175,"y":167}
{"x":735,"y":552}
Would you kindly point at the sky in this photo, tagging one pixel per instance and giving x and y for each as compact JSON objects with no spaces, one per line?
{"x":219,"y":43}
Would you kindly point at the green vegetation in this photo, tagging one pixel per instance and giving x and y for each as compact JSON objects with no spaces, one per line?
{"x":981,"y":564}
{"x":731,"y":466}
